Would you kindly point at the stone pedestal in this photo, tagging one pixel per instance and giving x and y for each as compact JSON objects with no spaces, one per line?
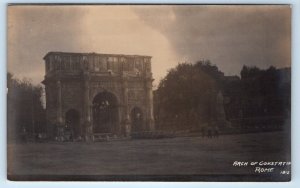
{"x":88,"y":131}
{"x":127,"y":127}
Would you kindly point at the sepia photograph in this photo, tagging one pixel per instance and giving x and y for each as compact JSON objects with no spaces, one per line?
{"x":132,"y":92}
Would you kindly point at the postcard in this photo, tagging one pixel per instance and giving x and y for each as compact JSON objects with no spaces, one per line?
{"x":148,"y":92}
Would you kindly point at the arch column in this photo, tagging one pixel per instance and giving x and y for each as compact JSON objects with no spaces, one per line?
{"x":120,"y":113}
{"x":59,"y":118}
{"x":86,"y":107}
{"x":126,"y":118}
{"x":59,"y":104}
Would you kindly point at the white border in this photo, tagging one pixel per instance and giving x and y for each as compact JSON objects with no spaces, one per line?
{"x":295,"y":102}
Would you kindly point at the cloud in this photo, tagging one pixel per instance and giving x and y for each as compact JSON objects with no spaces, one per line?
{"x":230,"y":36}
{"x":35,"y":30}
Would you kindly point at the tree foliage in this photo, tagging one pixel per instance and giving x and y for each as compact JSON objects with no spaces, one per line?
{"x":25,"y":113}
{"x":265,"y":92}
{"x":183,"y":97}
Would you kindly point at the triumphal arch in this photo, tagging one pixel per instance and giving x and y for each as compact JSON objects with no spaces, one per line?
{"x":93,"y":93}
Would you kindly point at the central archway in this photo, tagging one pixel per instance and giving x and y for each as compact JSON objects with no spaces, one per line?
{"x":136,"y":119}
{"x":73,"y":122}
{"x":105,"y":113}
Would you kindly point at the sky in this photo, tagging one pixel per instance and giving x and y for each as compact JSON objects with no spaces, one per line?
{"x":229,"y":36}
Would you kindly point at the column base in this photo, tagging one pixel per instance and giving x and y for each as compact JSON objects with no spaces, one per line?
{"x":88,"y":136}
{"x":150,"y":125}
{"x":59,"y":135}
{"x":126,"y":127}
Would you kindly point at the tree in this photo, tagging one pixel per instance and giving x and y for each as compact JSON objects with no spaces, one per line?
{"x":183,"y":97}
{"x":263,"y":93}
{"x":25,"y":113}
{"x":211,"y":70}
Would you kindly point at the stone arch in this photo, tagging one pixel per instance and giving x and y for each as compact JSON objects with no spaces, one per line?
{"x":137,"y":119}
{"x":105,"y":113}
{"x":96,"y":91}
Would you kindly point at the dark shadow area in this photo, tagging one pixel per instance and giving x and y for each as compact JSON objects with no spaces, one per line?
{"x":105,"y":113}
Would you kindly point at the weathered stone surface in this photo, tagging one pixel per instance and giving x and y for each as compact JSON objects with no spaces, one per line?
{"x":73,"y":80}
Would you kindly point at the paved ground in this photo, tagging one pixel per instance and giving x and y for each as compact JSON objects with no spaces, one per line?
{"x":172,"y":156}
